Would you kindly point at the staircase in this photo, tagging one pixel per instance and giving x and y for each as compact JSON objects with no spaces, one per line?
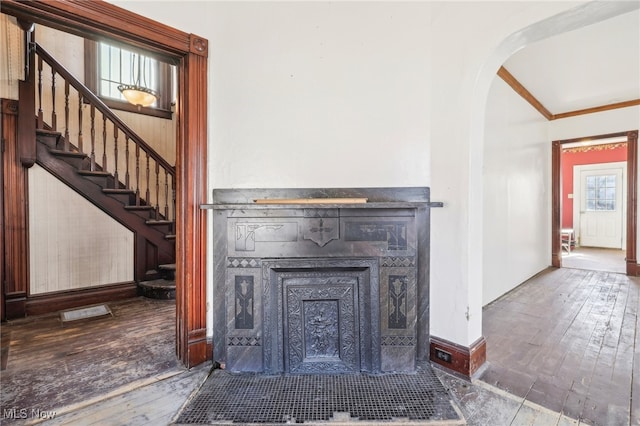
{"x":130,"y":200}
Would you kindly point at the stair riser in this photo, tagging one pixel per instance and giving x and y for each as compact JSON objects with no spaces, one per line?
{"x":50,"y":141}
{"x":102,"y":181}
{"x":165,"y":229}
{"x":168,"y":275}
{"x":145,"y":214}
{"x":125,"y":199}
{"x":161,"y":294}
{"x":73,"y":161}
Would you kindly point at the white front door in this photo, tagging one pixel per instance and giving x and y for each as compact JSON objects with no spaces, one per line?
{"x":601,"y":206}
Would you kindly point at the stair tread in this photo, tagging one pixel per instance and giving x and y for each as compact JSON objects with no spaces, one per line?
{"x":159,"y":283}
{"x":139,"y":207}
{"x":118,"y":191}
{"x":168,"y":266}
{"x":158,"y":222}
{"x":60,"y":152}
{"x":93,"y":173}
{"x":48,"y":132}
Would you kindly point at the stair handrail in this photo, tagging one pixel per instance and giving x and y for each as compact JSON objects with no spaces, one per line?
{"x":93,"y":99}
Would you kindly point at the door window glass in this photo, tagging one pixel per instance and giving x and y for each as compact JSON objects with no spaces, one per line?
{"x":601,"y":193}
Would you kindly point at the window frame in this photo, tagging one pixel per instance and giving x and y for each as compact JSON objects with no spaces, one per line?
{"x":165,"y":89}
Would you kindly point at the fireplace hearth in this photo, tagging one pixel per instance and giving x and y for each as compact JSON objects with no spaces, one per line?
{"x":321,"y":287}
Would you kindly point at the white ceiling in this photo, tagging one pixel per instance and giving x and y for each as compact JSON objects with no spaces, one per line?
{"x":593,"y":66}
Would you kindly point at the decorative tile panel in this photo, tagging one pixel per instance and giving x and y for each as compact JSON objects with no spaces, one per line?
{"x":243,"y":262}
{"x":398,"y":341}
{"x":244,"y":302}
{"x":397,"y":300}
{"x":393,"y":233}
{"x":320,"y":230}
{"x":397,"y":261}
{"x":321,"y":326}
{"x":247,"y":234}
{"x":244,"y":341}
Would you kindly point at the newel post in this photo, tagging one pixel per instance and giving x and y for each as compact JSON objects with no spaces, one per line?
{"x":27,"y":104}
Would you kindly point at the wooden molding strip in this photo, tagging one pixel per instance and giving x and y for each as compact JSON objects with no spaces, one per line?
{"x":310,"y":201}
{"x":597,"y":109}
{"x":522,"y":91}
{"x":527,"y":96}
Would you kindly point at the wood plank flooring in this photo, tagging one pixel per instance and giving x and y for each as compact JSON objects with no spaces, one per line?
{"x":566,"y":339}
{"x":51,"y":365}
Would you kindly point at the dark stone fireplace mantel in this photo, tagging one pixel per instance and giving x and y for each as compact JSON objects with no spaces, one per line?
{"x":321,"y":287}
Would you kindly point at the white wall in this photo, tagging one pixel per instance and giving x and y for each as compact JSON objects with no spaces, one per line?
{"x":517,"y":192}
{"x":319,"y":95}
{"x":67,"y":250}
{"x":617,"y":120}
{"x":369,"y":94}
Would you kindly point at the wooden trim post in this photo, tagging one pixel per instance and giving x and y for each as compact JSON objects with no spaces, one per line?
{"x":191,"y":192}
{"x":632,"y":202}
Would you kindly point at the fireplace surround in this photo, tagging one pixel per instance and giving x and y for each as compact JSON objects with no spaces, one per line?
{"x":315,"y":287}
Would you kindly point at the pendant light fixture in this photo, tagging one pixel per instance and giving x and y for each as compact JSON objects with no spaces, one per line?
{"x":137,"y":93}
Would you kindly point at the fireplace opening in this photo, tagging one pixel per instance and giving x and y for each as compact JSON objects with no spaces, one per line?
{"x":321,"y":318}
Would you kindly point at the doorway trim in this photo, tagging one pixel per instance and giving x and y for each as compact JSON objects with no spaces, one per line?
{"x":632,"y":192}
{"x":101,"y":20}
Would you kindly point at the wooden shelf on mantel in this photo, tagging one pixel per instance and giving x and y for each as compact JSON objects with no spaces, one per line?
{"x":368,"y":205}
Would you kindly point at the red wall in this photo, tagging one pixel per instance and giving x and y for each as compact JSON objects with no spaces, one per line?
{"x":570,"y":159}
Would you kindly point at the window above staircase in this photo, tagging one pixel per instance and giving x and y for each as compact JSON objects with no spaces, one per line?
{"x":107,"y":66}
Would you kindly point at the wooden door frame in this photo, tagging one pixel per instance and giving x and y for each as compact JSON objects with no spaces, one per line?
{"x":99,"y":20}
{"x":632,"y":197}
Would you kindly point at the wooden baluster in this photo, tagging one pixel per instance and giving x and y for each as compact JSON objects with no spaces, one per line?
{"x":147,"y":193}
{"x":173,"y":199}
{"x":166,"y":194}
{"x":126,"y":156}
{"x":54,"y":119}
{"x":66,"y":115}
{"x":104,"y":143}
{"x":157,"y":206}
{"x":93,"y":138}
{"x":40,"y":114}
{"x":137,"y":175}
{"x":80,"y":136}
{"x":115,"y":156}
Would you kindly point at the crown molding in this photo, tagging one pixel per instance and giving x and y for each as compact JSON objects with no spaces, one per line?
{"x":527,"y":96}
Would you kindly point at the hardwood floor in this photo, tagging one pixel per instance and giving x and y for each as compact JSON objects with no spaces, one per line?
{"x":50,"y":365}
{"x":595,"y":259}
{"x":566,"y":339}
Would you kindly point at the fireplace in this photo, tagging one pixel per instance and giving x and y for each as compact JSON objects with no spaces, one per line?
{"x":319,"y":287}
{"x":321,"y":316}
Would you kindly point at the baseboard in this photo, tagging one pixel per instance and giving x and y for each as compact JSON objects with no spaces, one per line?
{"x":462,"y":360}
{"x":15,"y":305}
{"x":47,"y":303}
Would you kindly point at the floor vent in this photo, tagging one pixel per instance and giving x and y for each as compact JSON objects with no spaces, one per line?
{"x":84,"y":313}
